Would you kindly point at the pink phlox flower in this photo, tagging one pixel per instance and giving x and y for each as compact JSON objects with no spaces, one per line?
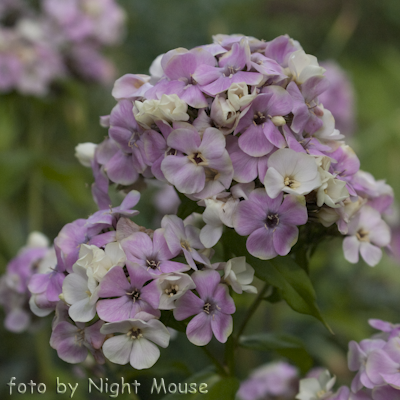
{"x":181,"y":238}
{"x":270,"y":223}
{"x":259,"y":123}
{"x":204,"y":169}
{"x":152,"y":254}
{"x":276,"y":379}
{"x":179,"y":65}
{"x":305,"y":104}
{"x":73,"y":342}
{"x":357,"y":360}
{"x":246,"y":168}
{"x":212,"y":310}
{"x":214,"y":80}
{"x":124,"y":298}
{"x":281,"y":48}
{"x":367,"y":233}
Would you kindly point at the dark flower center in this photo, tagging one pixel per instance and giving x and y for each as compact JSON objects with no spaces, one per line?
{"x":172,"y":290}
{"x":211,"y":174}
{"x":199,"y":266}
{"x":272,"y":221}
{"x":153,"y":264}
{"x":134,"y":334}
{"x":171,"y":152}
{"x":80,"y":337}
{"x":135,"y":294}
{"x":362,"y":235}
{"x":208,"y":308}
{"x":185,"y":245}
{"x":290,"y":182}
{"x":259,"y":118}
{"x":197,"y":159}
{"x":229,"y":71}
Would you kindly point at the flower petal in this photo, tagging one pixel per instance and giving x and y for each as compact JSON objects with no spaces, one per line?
{"x":222,"y":326}
{"x":254,"y":142}
{"x":206,"y":283}
{"x":370,"y":253}
{"x":144,"y":354}
{"x":187,"y":305}
{"x":351,"y":246}
{"x":114,"y":283}
{"x":199,"y":329}
{"x":182,"y":173}
{"x":118,"y":349}
{"x":284,"y":238}
{"x":260,"y":244}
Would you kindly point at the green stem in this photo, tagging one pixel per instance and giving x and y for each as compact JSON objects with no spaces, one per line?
{"x":214,"y":360}
{"x":229,"y":357}
{"x":35,"y":185}
{"x":250,"y":312}
{"x":35,"y":140}
{"x":43,"y":356}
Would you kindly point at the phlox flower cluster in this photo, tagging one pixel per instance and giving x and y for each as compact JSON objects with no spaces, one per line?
{"x":376,"y":362}
{"x":111,"y":283}
{"x":243,"y":127}
{"x":14,"y":293}
{"x":275,"y":380}
{"x":59,"y":39}
{"x":236,"y":126}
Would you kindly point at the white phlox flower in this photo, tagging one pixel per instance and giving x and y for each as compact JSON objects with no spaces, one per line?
{"x":156,"y":70}
{"x":239,"y":96}
{"x":291,"y":172}
{"x":98,"y":262}
{"x":316,"y":388}
{"x":172,"y":286}
{"x":81,"y":293}
{"x":332,"y":191}
{"x":239,"y":274}
{"x":327,"y":132}
{"x":169,"y":108}
{"x":224,"y":114}
{"x":303,"y":66}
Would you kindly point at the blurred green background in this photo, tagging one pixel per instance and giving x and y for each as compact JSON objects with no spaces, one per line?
{"x":43,"y":186}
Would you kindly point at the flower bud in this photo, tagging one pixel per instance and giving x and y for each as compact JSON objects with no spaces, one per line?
{"x":238,"y":95}
{"x":278,"y":120}
{"x":223,"y":114}
{"x":84,"y":152}
{"x":37,"y":239}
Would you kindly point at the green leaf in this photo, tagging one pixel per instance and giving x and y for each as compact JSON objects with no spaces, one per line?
{"x":284,"y":344}
{"x":225,"y":388}
{"x":187,"y":207}
{"x":274,"y":297}
{"x":282,"y":272}
{"x":218,"y":387}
